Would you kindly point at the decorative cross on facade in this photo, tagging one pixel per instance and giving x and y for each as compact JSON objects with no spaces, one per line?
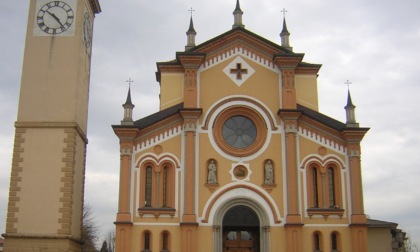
{"x":129,"y":82}
{"x":284,"y":12}
{"x":238,"y":71}
{"x":191,"y":10}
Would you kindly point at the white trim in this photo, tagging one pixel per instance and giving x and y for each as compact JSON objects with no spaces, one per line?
{"x":315,"y":137}
{"x":214,"y":115}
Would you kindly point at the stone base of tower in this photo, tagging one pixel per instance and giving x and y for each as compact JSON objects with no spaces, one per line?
{"x":16,"y":243}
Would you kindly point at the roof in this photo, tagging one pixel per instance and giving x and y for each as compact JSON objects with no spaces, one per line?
{"x":166,"y":113}
{"x":240,"y":29}
{"x":378,"y":224}
{"x":158,"y":116}
{"x":326,"y":120}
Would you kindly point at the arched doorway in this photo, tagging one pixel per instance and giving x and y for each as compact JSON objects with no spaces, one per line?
{"x":241,"y":230}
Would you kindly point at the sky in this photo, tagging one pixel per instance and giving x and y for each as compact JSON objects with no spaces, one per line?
{"x":375,"y":44}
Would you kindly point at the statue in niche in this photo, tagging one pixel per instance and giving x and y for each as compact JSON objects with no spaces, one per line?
{"x":269,"y":173}
{"x":212,"y":169}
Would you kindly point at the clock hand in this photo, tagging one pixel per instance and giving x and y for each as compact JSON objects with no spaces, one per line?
{"x":56,"y":18}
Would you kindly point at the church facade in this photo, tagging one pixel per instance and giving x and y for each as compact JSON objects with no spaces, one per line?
{"x":239,"y":158}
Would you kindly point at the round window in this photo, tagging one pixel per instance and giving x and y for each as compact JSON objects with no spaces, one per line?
{"x":239,"y":132}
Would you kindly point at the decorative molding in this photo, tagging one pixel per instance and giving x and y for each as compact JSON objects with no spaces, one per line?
{"x":238,"y":50}
{"x":233,"y":66}
{"x":158,"y":138}
{"x":322,"y":139}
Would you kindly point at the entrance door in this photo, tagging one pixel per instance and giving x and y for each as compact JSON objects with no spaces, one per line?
{"x":240,"y":241}
{"x":241,"y":230}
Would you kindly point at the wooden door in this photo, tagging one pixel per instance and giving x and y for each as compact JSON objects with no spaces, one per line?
{"x":240,"y":241}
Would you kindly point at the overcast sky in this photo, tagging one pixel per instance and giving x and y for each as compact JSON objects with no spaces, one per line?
{"x":373,"y":43}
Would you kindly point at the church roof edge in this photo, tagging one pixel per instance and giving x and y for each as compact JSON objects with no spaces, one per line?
{"x":328,"y":121}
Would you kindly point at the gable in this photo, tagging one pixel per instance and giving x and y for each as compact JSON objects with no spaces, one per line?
{"x":237,"y":62}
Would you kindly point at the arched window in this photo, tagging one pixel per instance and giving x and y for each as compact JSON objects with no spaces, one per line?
{"x":148,"y":187}
{"x":157,"y":189}
{"x":331,"y":187}
{"x":147,"y":237}
{"x":165,"y":187}
{"x":165,"y":242}
{"x":335,"y":243}
{"x":323,"y":187}
{"x":315,"y":186}
{"x":317,"y":242}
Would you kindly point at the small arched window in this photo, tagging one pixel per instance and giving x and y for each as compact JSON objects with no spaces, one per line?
{"x":148,"y":187}
{"x":335,"y":243}
{"x":315,"y":186}
{"x":331,"y":187}
{"x":147,"y":241}
{"x":165,"y":242}
{"x":317,"y":242}
{"x":165,"y":187}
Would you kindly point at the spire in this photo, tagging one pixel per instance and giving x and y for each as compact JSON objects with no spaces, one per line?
{"x":237,"y":14}
{"x":284,"y":35}
{"x":128,"y":108}
{"x":350,"y":111}
{"x":191,"y":33}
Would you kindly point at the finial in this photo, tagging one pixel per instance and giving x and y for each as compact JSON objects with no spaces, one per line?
{"x":237,"y":14}
{"x":350,"y":109}
{"x":191,"y":10}
{"x":129,"y":81}
{"x":128,"y":106}
{"x":284,"y":12}
{"x":284,"y":35}
{"x":190,"y":33}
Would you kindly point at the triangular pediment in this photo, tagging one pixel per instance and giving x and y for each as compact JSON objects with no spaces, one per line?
{"x":242,"y":42}
{"x":240,"y":36}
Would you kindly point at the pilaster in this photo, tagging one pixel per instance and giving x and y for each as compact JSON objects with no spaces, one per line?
{"x":358,"y":224}
{"x":189,"y":218}
{"x":190,"y":62}
{"x":123,"y":220}
{"x":287,"y":64}
{"x":293,"y":223}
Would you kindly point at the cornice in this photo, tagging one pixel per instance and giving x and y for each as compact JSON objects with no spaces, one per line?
{"x":96,"y":7}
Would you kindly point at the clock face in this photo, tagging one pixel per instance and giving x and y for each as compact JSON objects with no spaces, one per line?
{"x":55,"y":17}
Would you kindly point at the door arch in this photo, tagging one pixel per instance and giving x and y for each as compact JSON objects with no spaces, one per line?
{"x":258,"y":222}
{"x":241,"y":230}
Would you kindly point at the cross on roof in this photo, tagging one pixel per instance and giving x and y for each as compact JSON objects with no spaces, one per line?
{"x":191,"y":10}
{"x":129,"y":81}
{"x":347,"y":83}
{"x":238,"y":71}
{"x":284,"y":12}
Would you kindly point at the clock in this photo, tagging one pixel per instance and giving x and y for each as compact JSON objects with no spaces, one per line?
{"x":87,"y":31}
{"x":55,"y":17}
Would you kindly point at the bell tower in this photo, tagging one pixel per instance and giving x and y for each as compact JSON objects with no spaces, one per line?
{"x":48,"y":166}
